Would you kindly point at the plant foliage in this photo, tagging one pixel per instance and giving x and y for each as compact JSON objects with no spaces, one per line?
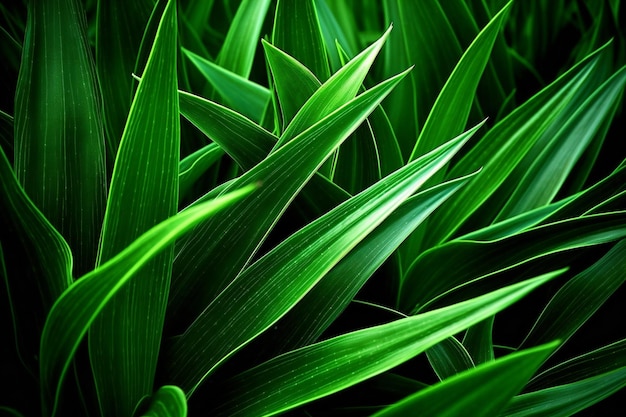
{"x":312,"y":207}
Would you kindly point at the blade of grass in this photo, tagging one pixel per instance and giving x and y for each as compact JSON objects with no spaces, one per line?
{"x":430,"y":277}
{"x":449,"y":358}
{"x":580,"y":298}
{"x":297,"y":32}
{"x":241,"y":95}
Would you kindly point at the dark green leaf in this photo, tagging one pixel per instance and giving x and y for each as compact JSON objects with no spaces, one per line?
{"x":59,"y":135}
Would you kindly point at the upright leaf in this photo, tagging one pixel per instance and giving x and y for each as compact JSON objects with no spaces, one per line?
{"x":237,"y":52}
{"x":119,"y":30}
{"x":59,"y":135}
{"x":144,"y":192}
{"x":297,"y":32}
{"x":208,"y":248}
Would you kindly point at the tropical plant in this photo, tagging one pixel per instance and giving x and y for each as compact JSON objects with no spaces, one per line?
{"x":312,"y":207}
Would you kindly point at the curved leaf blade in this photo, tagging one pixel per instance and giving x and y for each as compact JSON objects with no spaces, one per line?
{"x":78,"y":307}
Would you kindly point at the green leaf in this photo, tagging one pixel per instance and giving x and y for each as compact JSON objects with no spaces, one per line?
{"x":77,"y":308}
{"x":580,"y":298}
{"x":449,"y":114}
{"x":335,"y":92}
{"x":29,"y":239}
{"x":566,"y":400}
{"x":482,"y":391}
{"x":426,"y":39}
{"x":550,"y":169}
{"x":241,"y":41}
{"x":297,"y":32}
{"x":333,"y":33}
{"x":195,"y":165}
{"x":143,"y":192}
{"x":501,"y":149}
{"x":590,"y":364}
{"x":119,"y":30}
{"x":168,"y":401}
{"x":329,"y":366}
{"x":59,"y":135}
{"x":287,"y":72}
{"x":208,"y":248}
{"x":243,"y":140}
{"x":478,"y":341}
{"x":258,"y":297}
{"x":449,"y":358}
{"x":318,"y":309}
{"x":431,"y":277}
{"x":241,"y":95}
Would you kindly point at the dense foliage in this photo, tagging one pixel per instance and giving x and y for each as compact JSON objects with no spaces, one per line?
{"x":312,"y":207}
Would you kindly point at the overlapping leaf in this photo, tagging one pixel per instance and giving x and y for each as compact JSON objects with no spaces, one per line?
{"x":208,"y":247}
{"x":168,"y":401}
{"x":78,"y":307}
{"x":345,"y":360}
{"x":143,"y":192}
{"x":258,"y":297}
{"x":430,"y":276}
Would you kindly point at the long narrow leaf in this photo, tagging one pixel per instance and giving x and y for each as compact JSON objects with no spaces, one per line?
{"x":143,"y":192}
{"x":258,"y":297}
{"x":482,"y":391}
{"x":345,"y":360}
{"x":77,"y":308}
{"x":59,"y":135}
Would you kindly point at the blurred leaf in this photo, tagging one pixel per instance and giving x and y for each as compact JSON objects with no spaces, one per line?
{"x":258,"y":296}
{"x":431,"y":277}
{"x":120,"y":28}
{"x":78,"y":307}
{"x":566,"y":400}
{"x":449,"y":358}
{"x":59,"y":136}
{"x":243,"y":96}
{"x":323,"y":368}
{"x":482,"y":391}
{"x":195,"y":165}
{"x":143,"y":192}
{"x":237,"y":52}
{"x":297,"y":32}
{"x":580,"y":298}
{"x":168,"y":401}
